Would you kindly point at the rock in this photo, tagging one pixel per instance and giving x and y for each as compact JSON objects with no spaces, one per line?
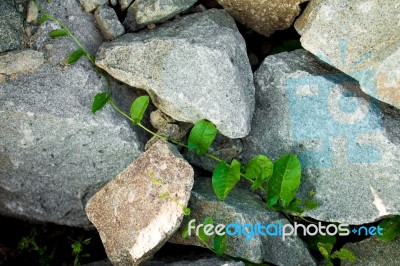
{"x":130,"y":214}
{"x":156,"y":11}
{"x":124,"y":4}
{"x":32,"y":12}
{"x":222,"y":147}
{"x":172,"y":131}
{"x":158,"y":119}
{"x":54,"y":152}
{"x":243,"y":207}
{"x":369,"y":52}
{"x":91,"y":5}
{"x":108,"y":22}
{"x":193,"y":69}
{"x":347,"y":143}
{"x":11,"y":27}
{"x":372,"y":251}
{"x":264,"y":16}
{"x":214,"y":261}
{"x":17,"y":62}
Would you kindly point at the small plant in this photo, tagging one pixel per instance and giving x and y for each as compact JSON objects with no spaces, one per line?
{"x":29,"y":243}
{"x":391,"y":229}
{"x":77,"y":247}
{"x":325,"y":243}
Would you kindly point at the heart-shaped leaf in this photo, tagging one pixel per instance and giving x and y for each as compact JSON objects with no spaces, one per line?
{"x":138,"y":107}
{"x":100,"y":101}
{"x":225,"y":178}
{"x":201,"y":136}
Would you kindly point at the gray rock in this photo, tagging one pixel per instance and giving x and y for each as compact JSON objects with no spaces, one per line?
{"x":354,"y":37}
{"x":196,"y":68}
{"x":347,"y":143}
{"x":11,"y":27}
{"x":158,"y":119}
{"x":91,"y":5}
{"x":54,"y":152}
{"x":22,"y":61}
{"x":264,"y":16}
{"x":197,"y":262}
{"x":108,"y":22}
{"x":145,"y":12}
{"x":173,"y":132}
{"x":132,"y":218}
{"x":373,"y":252}
{"x":243,"y":207}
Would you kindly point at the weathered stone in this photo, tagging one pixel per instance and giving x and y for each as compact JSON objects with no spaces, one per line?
{"x":348,"y":144}
{"x":32,"y":12}
{"x":108,"y":22}
{"x":222,"y":147}
{"x":243,"y":207}
{"x":374,"y":252}
{"x":264,"y":16}
{"x":91,"y":5}
{"x":132,"y":217}
{"x":156,"y":11}
{"x":124,"y":4}
{"x":54,"y":152}
{"x":11,"y":27}
{"x":353,"y":37}
{"x":158,"y":119}
{"x":17,"y":62}
{"x":197,"y":262}
{"x":172,"y":131}
{"x":193,"y":69}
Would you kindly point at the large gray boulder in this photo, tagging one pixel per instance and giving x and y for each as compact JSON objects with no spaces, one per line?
{"x":193,"y":69}
{"x":347,"y":142}
{"x":54,"y":152}
{"x":361,"y":38}
{"x":245,"y":208}
{"x":11,"y":26}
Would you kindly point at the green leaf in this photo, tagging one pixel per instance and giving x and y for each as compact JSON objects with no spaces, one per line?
{"x":43,"y":19}
{"x":202,"y":235}
{"x":344,"y":254}
{"x":138,"y":108}
{"x":310,"y":204}
{"x":325,"y":249}
{"x":318,"y":238}
{"x":220,"y":244}
{"x":75,"y":56}
{"x":100,"y":101}
{"x":58,"y":33}
{"x":201,"y":136}
{"x":186,"y":211}
{"x":225,"y":178}
{"x":295,"y":207}
{"x":285,"y":180}
{"x":259,"y":169}
{"x":391,"y":228}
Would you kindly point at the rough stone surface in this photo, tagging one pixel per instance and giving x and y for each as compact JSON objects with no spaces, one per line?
{"x":17,"y":62}
{"x":11,"y":27}
{"x":172,"y":131}
{"x":124,"y":4}
{"x":373,"y":252}
{"x":54,"y":152}
{"x":347,"y":142}
{"x":91,"y":5}
{"x":193,"y":69}
{"x":108,"y":22}
{"x":353,"y":37}
{"x":264,"y":16}
{"x":198,"y":262}
{"x":243,"y":207}
{"x":158,"y":119}
{"x":132,"y":219}
{"x":32,"y":12}
{"x":155,"y":11}
{"x":222,"y":147}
